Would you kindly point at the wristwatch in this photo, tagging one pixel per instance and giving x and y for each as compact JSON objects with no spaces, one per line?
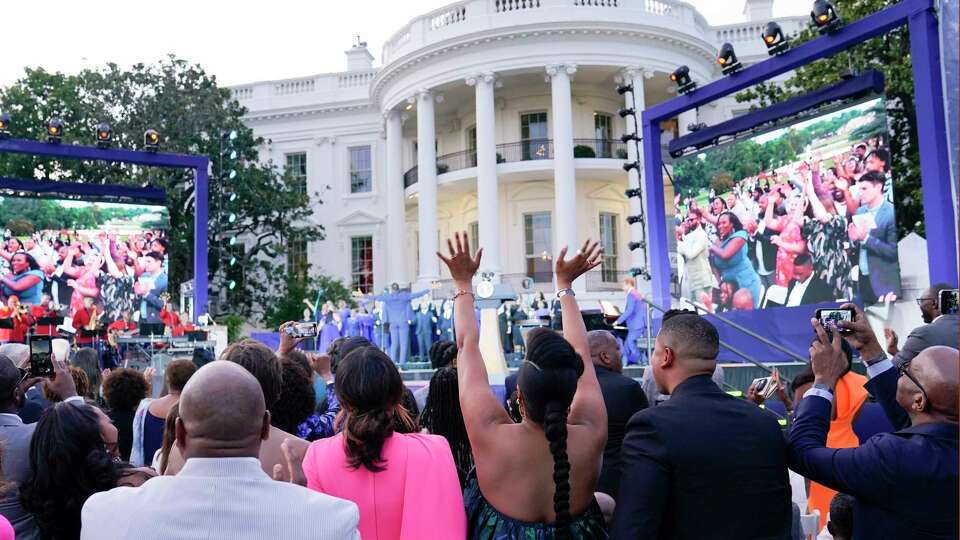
{"x":821,"y":386}
{"x":564,"y":292}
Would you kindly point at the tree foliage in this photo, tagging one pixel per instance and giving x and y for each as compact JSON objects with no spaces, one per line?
{"x":190,"y":111}
{"x":290,"y":307}
{"x":889,"y":54}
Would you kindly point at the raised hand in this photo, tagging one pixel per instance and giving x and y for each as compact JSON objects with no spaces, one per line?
{"x":892,"y":341}
{"x":294,"y":469}
{"x":588,"y":257}
{"x":462,"y":266}
{"x":826,"y":356}
{"x":859,"y":334}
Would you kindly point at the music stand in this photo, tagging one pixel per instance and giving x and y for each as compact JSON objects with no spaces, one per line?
{"x":152,"y":329}
{"x":6,"y":324}
{"x":196,"y":335}
{"x":50,"y":321}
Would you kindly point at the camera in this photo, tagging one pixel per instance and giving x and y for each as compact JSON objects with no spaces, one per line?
{"x":302,"y":330}
{"x":947,"y":301}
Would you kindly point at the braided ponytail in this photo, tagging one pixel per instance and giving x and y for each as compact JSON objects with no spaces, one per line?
{"x":555,"y":427}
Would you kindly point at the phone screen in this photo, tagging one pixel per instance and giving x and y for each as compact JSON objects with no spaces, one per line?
{"x":41,"y":363}
{"x":830,"y":317}
{"x":948,"y":301}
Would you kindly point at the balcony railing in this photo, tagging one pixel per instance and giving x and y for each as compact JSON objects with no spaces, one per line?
{"x":530,"y":150}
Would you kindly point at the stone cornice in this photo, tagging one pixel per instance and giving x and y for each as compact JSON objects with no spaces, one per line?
{"x":309,"y":110}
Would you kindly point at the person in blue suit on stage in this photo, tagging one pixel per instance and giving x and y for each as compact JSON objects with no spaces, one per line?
{"x":425,"y":320}
{"x":446,"y":322}
{"x":398,"y":314}
{"x":634,"y":317}
{"x":345,"y":315}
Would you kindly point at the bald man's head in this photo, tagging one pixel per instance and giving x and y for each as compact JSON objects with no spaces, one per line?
{"x":222,"y":413}
{"x":605,"y":350}
{"x":937,"y":370}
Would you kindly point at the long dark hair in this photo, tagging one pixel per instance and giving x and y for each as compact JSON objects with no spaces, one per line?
{"x":69,"y":463}
{"x":31,"y":262}
{"x":547,"y":382}
{"x":442,"y":416}
{"x":370,"y":389}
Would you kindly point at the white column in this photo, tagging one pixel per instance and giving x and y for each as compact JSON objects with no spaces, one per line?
{"x":685,"y":119}
{"x":396,"y":201}
{"x":564,"y":219}
{"x":427,"y":188}
{"x":487,"y":196}
{"x":635,"y":76}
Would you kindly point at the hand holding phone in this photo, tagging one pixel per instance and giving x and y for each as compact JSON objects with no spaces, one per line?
{"x":830,"y":319}
{"x":41,"y":356}
{"x":947,"y":301}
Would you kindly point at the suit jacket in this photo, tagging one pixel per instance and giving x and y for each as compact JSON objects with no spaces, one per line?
{"x":905,"y":483}
{"x":634,"y":316}
{"x":214,"y":498}
{"x":817,"y":291}
{"x":881,"y":246}
{"x":623,"y":397}
{"x":942,"y":331}
{"x":693,"y":247}
{"x":15,"y":436}
{"x":151,"y":303}
{"x":703,"y":464}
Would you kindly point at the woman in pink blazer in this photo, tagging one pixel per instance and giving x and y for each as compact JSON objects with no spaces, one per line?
{"x":404,"y":483}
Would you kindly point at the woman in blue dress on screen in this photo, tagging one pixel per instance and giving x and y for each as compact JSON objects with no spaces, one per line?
{"x":26,"y":281}
{"x":729,"y":256}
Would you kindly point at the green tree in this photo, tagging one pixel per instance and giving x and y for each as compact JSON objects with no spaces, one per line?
{"x":290,"y":306}
{"x":889,"y":54}
{"x":190,"y":111}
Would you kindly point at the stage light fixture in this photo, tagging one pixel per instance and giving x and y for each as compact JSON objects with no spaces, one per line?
{"x":729,"y":63}
{"x":4,"y":126}
{"x":229,"y":218}
{"x":629,"y":166}
{"x":231,"y":260}
{"x":624,"y":88}
{"x":627,"y":137}
{"x":231,"y":285}
{"x":632,"y":192}
{"x":151,"y":140}
{"x":54,"y":130}
{"x":681,"y":76}
{"x":232,"y":197}
{"x":825,"y":17}
{"x":696,"y":126}
{"x":773,"y":38}
{"x":104,"y":135}
{"x":633,"y":219}
{"x":626,"y":112}
{"x":642,"y":272}
{"x":633,"y":246}
{"x":230,"y":135}
{"x":230,"y":154}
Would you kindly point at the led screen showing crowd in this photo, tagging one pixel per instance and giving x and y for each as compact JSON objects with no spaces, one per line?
{"x":101,"y":262}
{"x":798,"y":215}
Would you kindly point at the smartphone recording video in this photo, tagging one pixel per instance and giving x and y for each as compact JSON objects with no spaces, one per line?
{"x":948,"y":302}
{"x":41,"y":356}
{"x":302,"y":330}
{"x":829,"y":318}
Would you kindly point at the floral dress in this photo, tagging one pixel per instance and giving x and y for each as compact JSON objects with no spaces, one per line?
{"x":826,"y":243}
{"x":117,"y":295}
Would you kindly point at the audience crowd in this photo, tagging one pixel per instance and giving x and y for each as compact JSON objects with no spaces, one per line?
{"x":294,"y":445}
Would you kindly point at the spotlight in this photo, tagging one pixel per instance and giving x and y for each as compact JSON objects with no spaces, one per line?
{"x":774,"y":39}
{"x":230,"y":135}
{"x":4,"y":126}
{"x":228,"y":218}
{"x":228,"y":175}
{"x":626,"y":112}
{"x":632,"y":192}
{"x":631,"y":165}
{"x":231,"y":285}
{"x":681,"y":76}
{"x":825,"y":17}
{"x":151,"y":140}
{"x":624,"y":88}
{"x":231,"y":260}
{"x":232,"y":196}
{"x":104,"y":135}
{"x":633,"y":219}
{"x":636,"y":245}
{"x":54,"y":130}
{"x":627,"y":137}
{"x":696,"y":126}
{"x":230,"y":154}
{"x":642,"y":272}
{"x":729,"y":63}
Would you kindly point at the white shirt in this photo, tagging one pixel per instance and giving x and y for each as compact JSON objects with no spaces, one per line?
{"x":796,"y":295}
{"x":218,"y":498}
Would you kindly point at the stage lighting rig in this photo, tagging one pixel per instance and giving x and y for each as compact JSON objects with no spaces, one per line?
{"x":230,"y":260}
{"x":773,"y":38}
{"x":104,"y":135}
{"x":624,"y":88}
{"x":231,"y":285}
{"x":627,"y":137}
{"x":696,"y":126}
{"x":729,"y":63}
{"x":642,"y":272}
{"x":228,"y":219}
{"x":626,"y":112}
{"x":825,"y":17}
{"x":630,"y":165}
{"x":634,"y":219}
{"x":54,"y":130}
{"x":681,"y":76}
{"x":151,"y":140}
{"x":231,"y":196}
{"x":230,"y":136}
{"x":632,"y":192}
{"x":633,"y":246}
{"x":4,"y":126}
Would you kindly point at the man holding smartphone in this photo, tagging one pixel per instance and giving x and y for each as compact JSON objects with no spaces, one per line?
{"x":940,"y":328}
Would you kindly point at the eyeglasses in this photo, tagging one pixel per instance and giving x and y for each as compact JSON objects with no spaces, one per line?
{"x":920,"y":301}
{"x":903,"y":369}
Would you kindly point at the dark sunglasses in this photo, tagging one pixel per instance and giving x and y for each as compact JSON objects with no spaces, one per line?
{"x":903,"y":370}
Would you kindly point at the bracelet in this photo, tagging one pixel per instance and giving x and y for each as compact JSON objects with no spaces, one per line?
{"x":461,"y":292}
{"x":564,"y":292}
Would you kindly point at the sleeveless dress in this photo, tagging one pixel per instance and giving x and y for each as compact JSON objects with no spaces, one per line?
{"x":739,"y":267}
{"x":484,"y":522}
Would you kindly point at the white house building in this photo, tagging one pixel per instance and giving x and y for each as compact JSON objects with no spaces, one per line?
{"x":496,"y":117}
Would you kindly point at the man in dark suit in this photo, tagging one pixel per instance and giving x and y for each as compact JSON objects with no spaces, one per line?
{"x":940,"y":328}
{"x":15,"y":438}
{"x":622,"y":396}
{"x":874,"y":229}
{"x":905,"y":483}
{"x":806,"y":287}
{"x":702,"y":464}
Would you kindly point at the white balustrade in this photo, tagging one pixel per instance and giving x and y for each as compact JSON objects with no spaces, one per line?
{"x":354,"y":80}
{"x":242,"y":93}
{"x":506,"y":6}
{"x":596,"y":3}
{"x":297,"y":86}
{"x":449,"y":16}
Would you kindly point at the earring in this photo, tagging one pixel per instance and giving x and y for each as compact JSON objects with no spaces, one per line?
{"x":520,"y":408}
